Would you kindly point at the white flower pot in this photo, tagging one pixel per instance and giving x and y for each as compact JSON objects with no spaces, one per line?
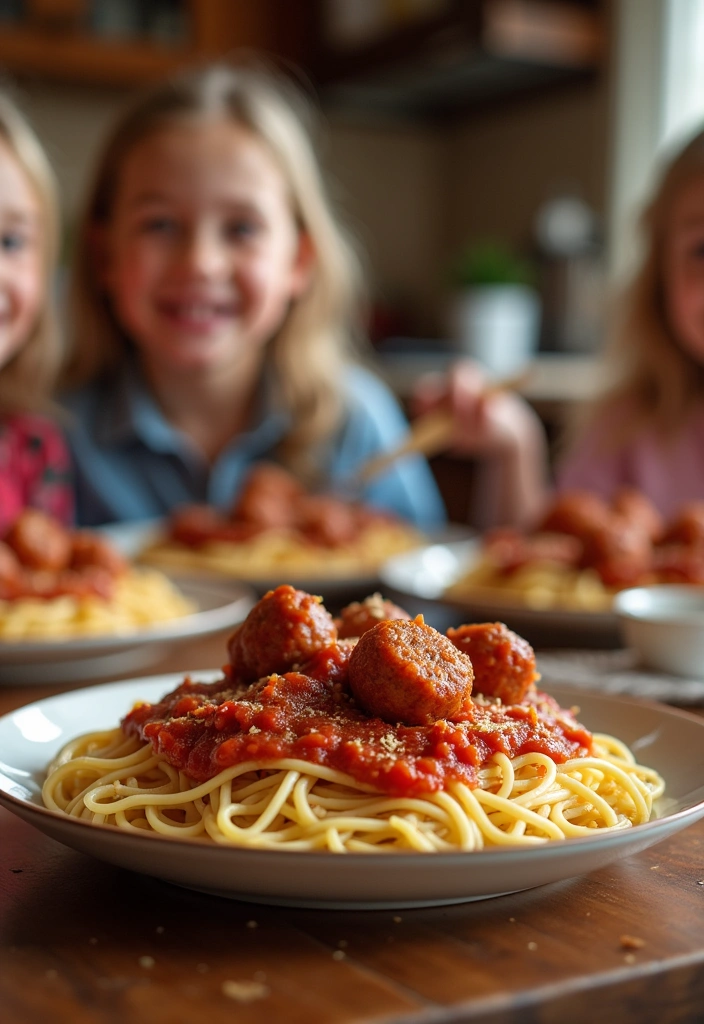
{"x":498,"y":325}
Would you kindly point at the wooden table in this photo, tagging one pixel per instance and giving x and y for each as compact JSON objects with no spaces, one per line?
{"x":82,"y":942}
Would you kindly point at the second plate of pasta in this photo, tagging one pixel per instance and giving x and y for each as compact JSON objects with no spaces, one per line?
{"x":58,"y":656}
{"x":436,"y":572}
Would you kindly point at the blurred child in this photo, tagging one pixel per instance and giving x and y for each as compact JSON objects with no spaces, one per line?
{"x":214,"y":304}
{"x":503,"y":435}
{"x":34,"y":464}
{"x":647,"y":428}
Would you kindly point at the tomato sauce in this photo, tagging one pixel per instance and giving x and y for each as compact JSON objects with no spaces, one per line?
{"x":40,"y":585}
{"x":204,"y":728}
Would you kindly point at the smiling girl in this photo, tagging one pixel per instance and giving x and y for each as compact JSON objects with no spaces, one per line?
{"x":215,"y":301}
{"x":34,"y":465}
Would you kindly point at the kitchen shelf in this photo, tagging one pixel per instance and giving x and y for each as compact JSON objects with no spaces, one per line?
{"x":83,"y":58}
{"x":71,"y":51}
{"x":467,"y":54}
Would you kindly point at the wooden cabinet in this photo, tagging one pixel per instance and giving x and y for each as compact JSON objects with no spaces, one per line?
{"x":128,"y":42}
{"x":434,"y":57}
{"x":409,"y":56}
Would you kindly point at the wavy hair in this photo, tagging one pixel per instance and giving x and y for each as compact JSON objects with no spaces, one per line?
{"x":27,"y":380}
{"x":319,"y":332}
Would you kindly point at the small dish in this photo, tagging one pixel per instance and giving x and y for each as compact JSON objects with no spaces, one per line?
{"x":664,"y":623}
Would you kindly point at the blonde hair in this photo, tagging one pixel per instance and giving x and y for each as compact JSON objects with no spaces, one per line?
{"x":654,"y":382}
{"x":309,"y":350}
{"x":27,"y":379}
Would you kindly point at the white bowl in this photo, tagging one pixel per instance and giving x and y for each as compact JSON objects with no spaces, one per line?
{"x":665,"y":625}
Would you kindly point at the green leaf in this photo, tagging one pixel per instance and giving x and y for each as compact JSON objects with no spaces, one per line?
{"x":487,"y":263}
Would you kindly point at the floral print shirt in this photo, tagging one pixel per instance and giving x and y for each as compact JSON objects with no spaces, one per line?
{"x":35,"y":469}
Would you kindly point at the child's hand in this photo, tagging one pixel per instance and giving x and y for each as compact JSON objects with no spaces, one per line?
{"x":502,"y":428}
{"x":487,"y":419}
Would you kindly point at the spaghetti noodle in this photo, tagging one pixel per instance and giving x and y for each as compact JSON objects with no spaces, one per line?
{"x":538,"y":585}
{"x":140,"y":597}
{"x":56,"y":582}
{"x":108,"y":778}
{"x":285,"y":552}
{"x":294,"y":761}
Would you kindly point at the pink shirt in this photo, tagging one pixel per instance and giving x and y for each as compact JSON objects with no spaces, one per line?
{"x":34,"y":469}
{"x":670,"y":474}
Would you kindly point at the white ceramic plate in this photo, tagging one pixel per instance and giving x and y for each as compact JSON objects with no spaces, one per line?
{"x":219,"y":607}
{"x":133,"y":538}
{"x":428,"y":571}
{"x":669,"y":740}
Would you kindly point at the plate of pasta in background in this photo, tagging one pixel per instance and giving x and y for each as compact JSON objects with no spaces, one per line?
{"x":72,"y":605}
{"x":564,"y":573}
{"x":362,"y":761}
{"x":442,"y":574}
{"x":275,"y":530}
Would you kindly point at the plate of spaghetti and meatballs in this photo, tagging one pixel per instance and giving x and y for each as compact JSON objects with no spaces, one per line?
{"x":277,"y":530}
{"x":363,"y":760}
{"x":68,"y":597}
{"x":567,"y":570}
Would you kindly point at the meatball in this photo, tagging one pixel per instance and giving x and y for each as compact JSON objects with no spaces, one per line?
{"x":619,"y":551}
{"x":623,"y":571}
{"x":679,"y":563}
{"x":578,"y":513}
{"x":92,"y":581}
{"x":39,"y":541}
{"x":506,"y":547}
{"x":360,"y":616}
{"x":88,"y":550}
{"x":12,"y":574}
{"x":688,"y":526}
{"x":269,"y":498}
{"x":405,"y":671}
{"x":510,"y":550}
{"x":194,"y":525}
{"x":554,"y":547}
{"x":10,"y":566}
{"x":327,"y":521}
{"x":639,"y":511}
{"x":503,"y":662}
{"x":282,"y":630}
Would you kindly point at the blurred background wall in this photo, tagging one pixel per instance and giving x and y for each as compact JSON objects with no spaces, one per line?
{"x":436,"y":134}
{"x":448,"y":121}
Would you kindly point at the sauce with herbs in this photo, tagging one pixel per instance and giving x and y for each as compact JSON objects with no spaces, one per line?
{"x":204,"y":728}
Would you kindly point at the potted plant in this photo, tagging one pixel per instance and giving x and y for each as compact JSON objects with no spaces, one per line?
{"x":496,"y":308}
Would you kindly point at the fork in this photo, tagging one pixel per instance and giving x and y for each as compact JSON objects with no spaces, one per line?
{"x":429,"y":434}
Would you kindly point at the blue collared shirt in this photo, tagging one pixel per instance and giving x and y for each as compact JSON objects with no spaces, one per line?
{"x":131,"y":463}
